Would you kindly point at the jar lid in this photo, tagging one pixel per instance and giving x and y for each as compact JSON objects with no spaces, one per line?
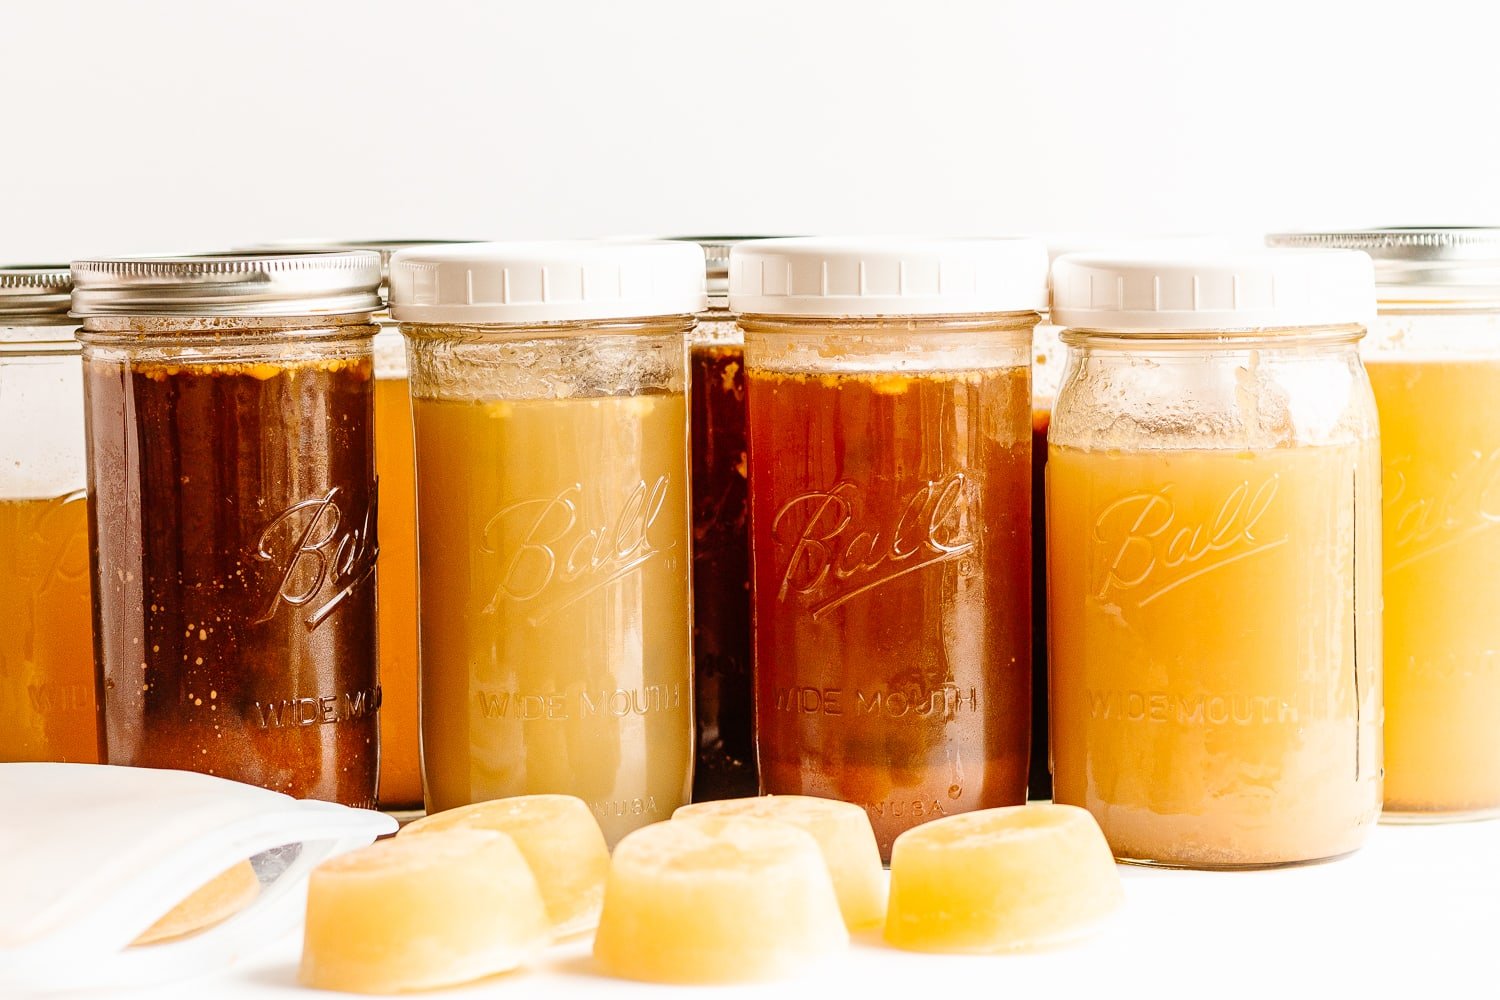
{"x":545,"y":282}
{"x":887,"y":276}
{"x":1202,"y":288}
{"x":34,"y":293}
{"x":251,"y":284}
{"x":1452,"y":258}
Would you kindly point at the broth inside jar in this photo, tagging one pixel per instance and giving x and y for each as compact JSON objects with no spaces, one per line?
{"x":1216,"y":649}
{"x":400,"y":764}
{"x":555,"y":600}
{"x":1440,"y":447}
{"x":721,"y":576}
{"x":234,"y":541}
{"x":1039,"y":783}
{"x":46,"y":652}
{"x":891,"y":519}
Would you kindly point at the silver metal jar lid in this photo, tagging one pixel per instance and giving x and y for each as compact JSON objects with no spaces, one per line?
{"x":1438,"y":257}
{"x":34,"y":293}
{"x":234,"y":284}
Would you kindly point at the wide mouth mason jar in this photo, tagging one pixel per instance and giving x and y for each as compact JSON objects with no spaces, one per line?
{"x":554,"y":538}
{"x":1213,"y":502}
{"x":396,"y":581}
{"x":232,"y":502}
{"x":47,"y":703}
{"x":1434,"y":357}
{"x":890,"y":506}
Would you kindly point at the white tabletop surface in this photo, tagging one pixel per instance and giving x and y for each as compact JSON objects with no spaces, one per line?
{"x":1416,"y":911}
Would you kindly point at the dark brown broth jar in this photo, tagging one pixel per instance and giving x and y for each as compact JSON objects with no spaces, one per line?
{"x":232,"y":502}
{"x":723,"y":696}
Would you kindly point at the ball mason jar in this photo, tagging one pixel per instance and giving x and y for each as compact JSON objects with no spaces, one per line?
{"x":554,"y":536}
{"x":396,"y":580}
{"x":1213,"y":501}
{"x":1434,"y":357}
{"x":890,"y":504}
{"x":47,"y":703}
{"x":232,"y":501}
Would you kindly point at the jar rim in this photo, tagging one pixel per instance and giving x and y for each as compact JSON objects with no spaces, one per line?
{"x":1288,"y":336}
{"x":557,"y":329}
{"x":251,"y":284}
{"x":1008,"y":318}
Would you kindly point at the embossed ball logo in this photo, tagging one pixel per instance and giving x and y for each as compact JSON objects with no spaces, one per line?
{"x":836,"y":549}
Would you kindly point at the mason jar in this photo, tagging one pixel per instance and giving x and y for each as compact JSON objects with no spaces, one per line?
{"x":890,"y":508}
{"x":47,"y":703}
{"x":232,"y":499}
{"x":723,"y":697}
{"x":1047,"y":356}
{"x":396,"y":523}
{"x":1434,"y":357}
{"x":1213,"y":503}
{"x":554,"y":538}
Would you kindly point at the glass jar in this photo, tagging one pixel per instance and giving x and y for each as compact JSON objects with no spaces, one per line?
{"x":233,"y":501}
{"x":1213,"y":502}
{"x":723,"y":697}
{"x":1047,"y":356}
{"x":1434,"y":358}
{"x":554,"y":538}
{"x":890,"y":504}
{"x":47,"y":703}
{"x":396,"y":524}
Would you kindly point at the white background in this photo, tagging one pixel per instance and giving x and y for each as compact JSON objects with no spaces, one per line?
{"x":193,"y":124}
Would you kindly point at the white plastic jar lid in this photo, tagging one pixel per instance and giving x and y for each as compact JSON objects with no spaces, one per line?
{"x":887,"y":276}
{"x":1204,"y":288}
{"x":544,"y":282}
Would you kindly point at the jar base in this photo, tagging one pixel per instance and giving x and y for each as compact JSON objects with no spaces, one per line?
{"x":1434,"y":817}
{"x":1251,"y":866}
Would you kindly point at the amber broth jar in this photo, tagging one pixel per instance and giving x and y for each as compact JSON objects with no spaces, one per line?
{"x":47,"y":704}
{"x":233,"y":502}
{"x":890,"y":502}
{"x":1213,"y":545}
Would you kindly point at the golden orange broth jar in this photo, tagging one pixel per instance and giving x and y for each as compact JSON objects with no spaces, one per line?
{"x":890,"y":504}
{"x":1434,"y":359}
{"x":47,"y":700}
{"x":1213,"y":499}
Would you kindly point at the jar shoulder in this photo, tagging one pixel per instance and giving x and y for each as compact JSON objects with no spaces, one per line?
{"x":1225,"y":399}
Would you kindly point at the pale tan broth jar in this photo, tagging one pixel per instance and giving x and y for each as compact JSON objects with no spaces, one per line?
{"x":554,"y":537}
